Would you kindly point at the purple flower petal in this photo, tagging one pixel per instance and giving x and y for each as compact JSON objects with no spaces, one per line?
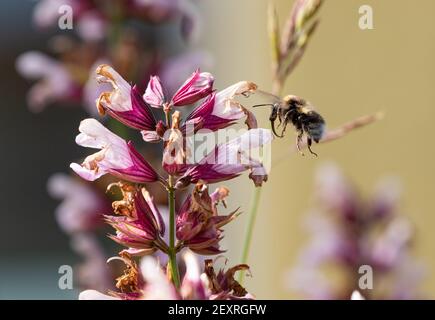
{"x":154,"y":93}
{"x":141,"y":171}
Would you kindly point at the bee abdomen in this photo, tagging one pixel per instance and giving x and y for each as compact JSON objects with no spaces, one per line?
{"x":315,"y":130}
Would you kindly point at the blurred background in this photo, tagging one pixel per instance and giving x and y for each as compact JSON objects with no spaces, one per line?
{"x":346,"y":73}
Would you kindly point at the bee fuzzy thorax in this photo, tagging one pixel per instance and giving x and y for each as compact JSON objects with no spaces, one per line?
{"x":305,"y":110}
{"x":293,"y":99}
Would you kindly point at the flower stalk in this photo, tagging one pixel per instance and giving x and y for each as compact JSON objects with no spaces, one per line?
{"x":172,"y":252}
{"x":250,"y":229}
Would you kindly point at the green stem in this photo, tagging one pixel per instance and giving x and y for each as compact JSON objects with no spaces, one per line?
{"x":172,"y":251}
{"x":251,"y":224}
{"x":277,"y":88}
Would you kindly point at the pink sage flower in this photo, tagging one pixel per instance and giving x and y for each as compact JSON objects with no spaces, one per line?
{"x":124,"y":103}
{"x":116,"y":156}
{"x":230,"y":159}
{"x":198,"y":224}
{"x":140,"y":225}
{"x":221,"y":110}
{"x":222,"y":284}
{"x":198,"y":86}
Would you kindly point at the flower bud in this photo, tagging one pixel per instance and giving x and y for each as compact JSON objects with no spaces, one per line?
{"x":198,"y":86}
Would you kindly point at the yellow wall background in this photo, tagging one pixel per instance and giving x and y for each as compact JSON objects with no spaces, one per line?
{"x":346,"y":73}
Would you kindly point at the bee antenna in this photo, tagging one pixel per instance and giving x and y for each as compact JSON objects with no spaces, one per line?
{"x":263,"y":105}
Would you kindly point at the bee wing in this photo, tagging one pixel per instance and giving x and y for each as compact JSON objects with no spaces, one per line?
{"x":312,"y":107}
{"x":268,"y":98}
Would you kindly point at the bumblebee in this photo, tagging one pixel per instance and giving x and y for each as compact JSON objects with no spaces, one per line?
{"x":300,"y":113}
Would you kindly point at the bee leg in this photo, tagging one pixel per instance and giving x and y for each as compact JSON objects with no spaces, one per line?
{"x":272,"y":122}
{"x":298,"y":142}
{"x":309,"y":143}
{"x":283,"y":129}
{"x":286,"y":121}
{"x":272,"y":119}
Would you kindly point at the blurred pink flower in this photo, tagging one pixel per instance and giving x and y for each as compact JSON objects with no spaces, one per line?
{"x":46,"y":12}
{"x":356,"y":232}
{"x":63,"y":79}
{"x":158,"y":11}
{"x":82,"y":206}
{"x":92,"y":26}
{"x":93,"y":271}
{"x":93,"y":17}
{"x":55,"y":83}
{"x":175,"y":70}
